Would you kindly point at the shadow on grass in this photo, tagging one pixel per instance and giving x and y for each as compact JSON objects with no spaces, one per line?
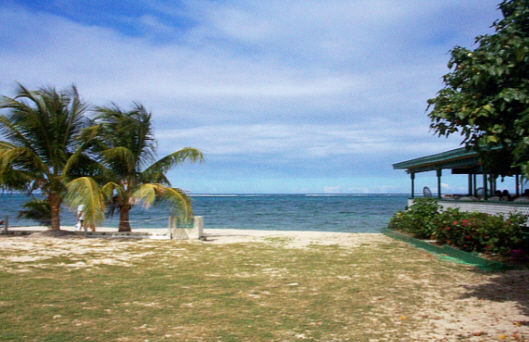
{"x":503,"y":286}
{"x":214,"y":237}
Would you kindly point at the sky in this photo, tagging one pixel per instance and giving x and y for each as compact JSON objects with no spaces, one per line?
{"x":282,"y":96}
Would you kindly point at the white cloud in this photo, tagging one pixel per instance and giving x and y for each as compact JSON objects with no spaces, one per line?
{"x":342,"y":85}
{"x":304,"y":141}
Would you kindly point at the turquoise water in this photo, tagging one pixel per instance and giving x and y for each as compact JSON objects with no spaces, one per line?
{"x":336,"y":213}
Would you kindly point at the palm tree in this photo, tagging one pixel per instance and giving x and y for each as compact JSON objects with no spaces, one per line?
{"x":38,"y":141}
{"x":131,"y":173}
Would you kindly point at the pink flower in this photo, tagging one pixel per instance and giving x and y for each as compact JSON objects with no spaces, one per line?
{"x":455,"y":223}
{"x":465,"y":222}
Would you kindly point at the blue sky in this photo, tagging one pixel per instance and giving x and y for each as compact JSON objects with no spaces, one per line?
{"x":282,"y":96}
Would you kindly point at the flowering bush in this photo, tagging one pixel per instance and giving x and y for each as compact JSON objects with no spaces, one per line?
{"x":468,"y":231}
{"x":480,"y":232}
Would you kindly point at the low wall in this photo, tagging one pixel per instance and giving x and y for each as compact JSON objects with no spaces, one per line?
{"x":489,"y":207}
{"x":97,"y":234}
{"x":172,"y":232}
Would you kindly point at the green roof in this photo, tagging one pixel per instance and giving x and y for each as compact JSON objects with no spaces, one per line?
{"x":458,"y":158}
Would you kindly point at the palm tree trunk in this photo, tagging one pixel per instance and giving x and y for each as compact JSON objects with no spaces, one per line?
{"x":124,"y":223}
{"x":55,"y":209}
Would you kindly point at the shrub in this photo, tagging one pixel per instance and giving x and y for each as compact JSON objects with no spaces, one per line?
{"x":419,"y":219}
{"x":480,"y":232}
{"x":468,"y":231}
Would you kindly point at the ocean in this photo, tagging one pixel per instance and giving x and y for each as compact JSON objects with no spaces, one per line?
{"x":360,"y":213}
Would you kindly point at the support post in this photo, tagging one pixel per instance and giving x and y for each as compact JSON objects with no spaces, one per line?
{"x":517,"y":186}
{"x":485,"y":187}
{"x":494,"y":182}
{"x":470,"y":185}
{"x":439,"y":174}
{"x":6,"y":224}
{"x":412,"y":175}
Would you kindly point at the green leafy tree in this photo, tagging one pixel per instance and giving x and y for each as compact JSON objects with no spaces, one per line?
{"x":130,"y":173}
{"x":486,"y":93}
{"x":39,"y":148}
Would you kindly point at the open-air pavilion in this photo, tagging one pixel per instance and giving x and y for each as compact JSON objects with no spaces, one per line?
{"x":481,"y":185}
{"x":460,"y":162}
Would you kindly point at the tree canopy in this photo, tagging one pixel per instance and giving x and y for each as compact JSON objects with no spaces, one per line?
{"x":130,"y":174}
{"x":38,"y":142}
{"x":49,"y":144}
{"x":486,"y":94}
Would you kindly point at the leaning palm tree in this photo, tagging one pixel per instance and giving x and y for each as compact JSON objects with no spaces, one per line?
{"x":130,"y":172}
{"x":38,"y":138}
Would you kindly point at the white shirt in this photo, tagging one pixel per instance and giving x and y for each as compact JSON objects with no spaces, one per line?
{"x":80,"y":212}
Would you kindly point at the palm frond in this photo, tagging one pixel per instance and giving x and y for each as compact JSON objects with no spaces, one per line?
{"x":85,"y":190}
{"x":11,"y":129}
{"x":22,"y":159}
{"x":4,"y":146}
{"x":132,"y":129}
{"x":12,"y":179}
{"x":162,"y":166}
{"x":109,"y":188}
{"x":119,"y":155}
{"x":37,"y":210}
{"x":177,"y":201}
{"x":145,"y":194}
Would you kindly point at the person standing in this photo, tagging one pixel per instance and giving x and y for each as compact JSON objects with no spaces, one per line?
{"x":80,"y":217}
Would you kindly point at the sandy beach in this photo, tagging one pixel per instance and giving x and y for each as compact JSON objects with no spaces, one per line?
{"x":226,"y":236}
{"x":480,"y":306}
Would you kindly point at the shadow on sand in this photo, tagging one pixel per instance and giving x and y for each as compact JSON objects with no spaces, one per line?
{"x":505,"y":286}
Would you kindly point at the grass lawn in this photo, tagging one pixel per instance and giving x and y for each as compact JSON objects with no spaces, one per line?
{"x":114,"y":290}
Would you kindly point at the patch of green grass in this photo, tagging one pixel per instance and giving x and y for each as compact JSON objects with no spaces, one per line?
{"x":179,"y":291}
{"x":278,"y":240}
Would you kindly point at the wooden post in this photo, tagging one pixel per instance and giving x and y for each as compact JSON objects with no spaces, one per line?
{"x":6,"y":224}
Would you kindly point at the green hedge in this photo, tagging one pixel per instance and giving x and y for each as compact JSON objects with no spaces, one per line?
{"x":419,"y":219}
{"x":468,"y":231}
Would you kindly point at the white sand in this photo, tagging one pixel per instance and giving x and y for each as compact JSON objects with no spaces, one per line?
{"x":224,"y":236}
